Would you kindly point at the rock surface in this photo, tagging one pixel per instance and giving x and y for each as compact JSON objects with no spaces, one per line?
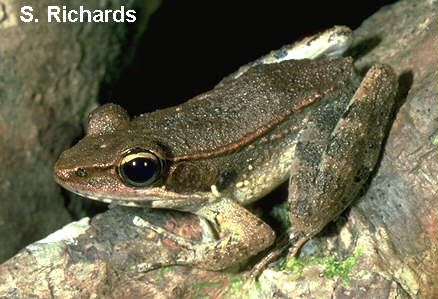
{"x":383,"y":247}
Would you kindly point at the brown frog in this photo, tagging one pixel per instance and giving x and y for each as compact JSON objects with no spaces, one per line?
{"x":312,"y":121}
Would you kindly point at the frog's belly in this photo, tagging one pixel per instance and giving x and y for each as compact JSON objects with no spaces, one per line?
{"x":268,"y":168}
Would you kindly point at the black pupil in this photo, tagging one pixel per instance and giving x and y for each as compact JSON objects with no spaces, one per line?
{"x":140,"y":170}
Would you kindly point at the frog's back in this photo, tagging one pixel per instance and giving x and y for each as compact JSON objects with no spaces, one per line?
{"x":242,"y":110}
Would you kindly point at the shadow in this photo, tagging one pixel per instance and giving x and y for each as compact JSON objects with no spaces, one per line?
{"x":79,"y":207}
{"x":265,"y":206}
{"x":363,"y":47}
{"x":405,"y":81}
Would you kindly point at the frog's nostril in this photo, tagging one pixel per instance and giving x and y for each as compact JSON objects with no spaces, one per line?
{"x":80,"y":172}
{"x":68,"y":174}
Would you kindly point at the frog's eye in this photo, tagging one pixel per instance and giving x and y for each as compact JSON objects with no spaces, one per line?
{"x":140,"y":169}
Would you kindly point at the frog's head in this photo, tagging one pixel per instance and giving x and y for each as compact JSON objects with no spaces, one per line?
{"x":113,"y":164}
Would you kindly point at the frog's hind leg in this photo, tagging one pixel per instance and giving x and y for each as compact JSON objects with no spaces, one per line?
{"x":331,"y":43}
{"x":327,"y":177}
{"x":332,"y":161}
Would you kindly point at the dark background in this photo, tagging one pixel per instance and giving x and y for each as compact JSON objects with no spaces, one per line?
{"x":191,"y":45}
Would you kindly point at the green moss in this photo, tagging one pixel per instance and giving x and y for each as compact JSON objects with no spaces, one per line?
{"x":163,"y":272}
{"x":333,"y":268}
{"x":342,"y":268}
{"x":434,"y":139}
{"x":281,"y":213}
{"x":295,"y":265}
{"x":166,"y":269}
{"x":235,"y":287}
{"x":200,"y":286}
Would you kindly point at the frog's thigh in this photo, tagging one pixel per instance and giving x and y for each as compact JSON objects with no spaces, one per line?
{"x":324,"y":181}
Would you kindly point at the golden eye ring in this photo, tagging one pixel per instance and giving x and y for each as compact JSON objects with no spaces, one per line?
{"x":140,"y":168}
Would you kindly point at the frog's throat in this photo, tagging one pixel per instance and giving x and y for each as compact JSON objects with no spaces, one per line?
{"x":175,"y":201}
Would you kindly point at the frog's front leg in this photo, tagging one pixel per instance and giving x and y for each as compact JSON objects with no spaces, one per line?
{"x":329,"y":171}
{"x":241,"y":235}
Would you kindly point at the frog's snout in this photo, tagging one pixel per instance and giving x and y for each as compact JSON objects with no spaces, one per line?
{"x":61,"y":174}
{"x":66,"y":175}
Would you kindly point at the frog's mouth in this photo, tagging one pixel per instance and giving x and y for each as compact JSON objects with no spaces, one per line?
{"x":161,"y":198}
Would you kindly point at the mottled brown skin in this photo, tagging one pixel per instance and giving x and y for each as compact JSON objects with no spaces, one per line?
{"x":312,"y":121}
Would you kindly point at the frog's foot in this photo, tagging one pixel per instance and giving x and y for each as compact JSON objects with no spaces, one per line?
{"x":282,"y":244}
{"x":331,"y":43}
{"x":297,"y":241}
{"x":241,"y":233}
{"x":292,"y":241}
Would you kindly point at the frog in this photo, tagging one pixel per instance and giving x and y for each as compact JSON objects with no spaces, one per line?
{"x":300,"y":114}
